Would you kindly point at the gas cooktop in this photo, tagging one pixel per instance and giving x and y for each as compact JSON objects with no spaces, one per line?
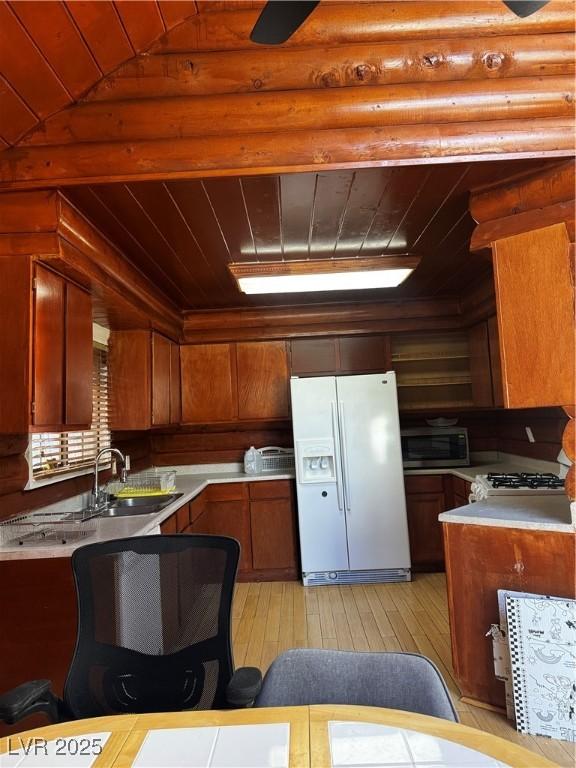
{"x":532,"y":480}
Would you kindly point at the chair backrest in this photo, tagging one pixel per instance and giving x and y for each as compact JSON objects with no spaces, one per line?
{"x":153,"y":625}
{"x":404,"y":681}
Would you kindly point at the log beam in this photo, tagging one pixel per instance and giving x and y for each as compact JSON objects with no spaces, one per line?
{"x":28,"y":167}
{"x":553,"y":185}
{"x":405,"y":104}
{"x":345,"y":23}
{"x":490,"y":231}
{"x":413,"y":61}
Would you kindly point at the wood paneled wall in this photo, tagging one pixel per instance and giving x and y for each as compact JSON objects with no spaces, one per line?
{"x":491,"y":430}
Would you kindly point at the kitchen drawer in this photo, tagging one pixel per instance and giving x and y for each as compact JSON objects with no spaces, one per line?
{"x":271,"y":489}
{"x":424,"y":483}
{"x":228,"y":492}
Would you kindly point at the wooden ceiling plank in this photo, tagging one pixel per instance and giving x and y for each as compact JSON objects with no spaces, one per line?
{"x":192,"y":201}
{"x":441,"y":196}
{"x":117,"y":197}
{"x":102,"y":30}
{"x":201,"y":74}
{"x":261,"y":199}
{"x":15,"y":117}
{"x":226,"y":200}
{"x":331,"y":199}
{"x":110,"y":222}
{"x":396,"y":200}
{"x":146,"y":119}
{"x":163,"y":251}
{"x":175,"y":11}
{"x":160,"y":206}
{"x":226,"y":156}
{"x":371,"y":23}
{"x":296,"y":205}
{"x":26,"y":69}
{"x":437,"y":265}
{"x":142,"y":22}
{"x":60,"y":42}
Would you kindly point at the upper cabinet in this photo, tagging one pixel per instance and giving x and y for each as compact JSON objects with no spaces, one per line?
{"x":47,"y":356}
{"x":144,"y":380}
{"x":61,"y":353}
{"x":535,"y":301}
{"x":485,"y":370}
{"x":262,"y":380}
{"x":209,"y":383}
{"x":432,"y":370}
{"x":247,"y":381}
{"x":527,"y":225}
{"x":340,"y":355}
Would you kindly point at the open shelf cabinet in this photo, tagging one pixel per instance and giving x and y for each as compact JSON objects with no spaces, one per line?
{"x":432,"y":370}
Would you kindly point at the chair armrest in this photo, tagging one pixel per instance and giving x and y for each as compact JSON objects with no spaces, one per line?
{"x":28,"y":698}
{"x":243,"y":687}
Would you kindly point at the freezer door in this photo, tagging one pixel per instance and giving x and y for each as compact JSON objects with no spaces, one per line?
{"x":321,"y":518}
{"x":372,"y":471}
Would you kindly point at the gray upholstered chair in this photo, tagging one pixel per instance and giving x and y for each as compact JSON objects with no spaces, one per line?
{"x":404,"y":681}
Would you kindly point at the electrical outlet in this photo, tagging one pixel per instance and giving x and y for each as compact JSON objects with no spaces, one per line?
{"x":530,"y":434}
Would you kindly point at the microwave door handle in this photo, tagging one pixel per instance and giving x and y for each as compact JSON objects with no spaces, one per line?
{"x":336,"y":439}
{"x":344,"y":449}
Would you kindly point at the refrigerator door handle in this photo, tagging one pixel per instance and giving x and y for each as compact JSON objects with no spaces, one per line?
{"x":337,"y":464}
{"x":345,"y":472}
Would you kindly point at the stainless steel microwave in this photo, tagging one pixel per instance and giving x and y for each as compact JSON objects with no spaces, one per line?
{"x":435,"y":447}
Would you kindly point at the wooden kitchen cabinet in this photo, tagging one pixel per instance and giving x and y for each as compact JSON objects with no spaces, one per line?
{"x":535,"y":307}
{"x":209,"y":383}
{"x":273,"y":527}
{"x":144,"y":383}
{"x":425,"y":500}
{"x":263,"y":390}
{"x":61,"y":353}
{"x":161,"y":359}
{"x":485,"y":370}
{"x":480,"y":560}
{"x":261,"y":516}
{"x":228,"y":518}
{"x":340,"y":355}
{"x":457,"y":492}
{"x":247,"y":381}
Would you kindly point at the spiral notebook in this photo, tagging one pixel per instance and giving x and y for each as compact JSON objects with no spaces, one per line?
{"x":542,"y":641}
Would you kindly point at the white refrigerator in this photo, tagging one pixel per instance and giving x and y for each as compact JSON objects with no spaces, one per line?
{"x":349,"y":479}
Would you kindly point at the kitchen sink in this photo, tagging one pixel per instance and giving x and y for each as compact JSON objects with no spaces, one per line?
{"x":137,"y":505}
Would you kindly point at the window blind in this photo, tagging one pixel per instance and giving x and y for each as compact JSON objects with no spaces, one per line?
{"x":55,"y":453}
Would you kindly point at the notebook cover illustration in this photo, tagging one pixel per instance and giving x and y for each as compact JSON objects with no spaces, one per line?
{"x":542,"y":638}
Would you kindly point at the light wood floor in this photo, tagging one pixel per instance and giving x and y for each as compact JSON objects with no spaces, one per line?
{"x":269,"y":618}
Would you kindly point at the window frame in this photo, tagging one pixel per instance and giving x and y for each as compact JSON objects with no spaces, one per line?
{"x":62,"y":474}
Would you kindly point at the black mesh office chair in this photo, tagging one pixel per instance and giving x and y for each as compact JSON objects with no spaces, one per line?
{"x":153,"y":632}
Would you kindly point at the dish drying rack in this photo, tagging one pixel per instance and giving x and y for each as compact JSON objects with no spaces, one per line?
{"x":154,"y":482}
{"x":47,"y":529}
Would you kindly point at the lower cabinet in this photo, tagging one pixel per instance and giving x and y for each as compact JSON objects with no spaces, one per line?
{"x":260,"y":515}
{"x":425,"y":500}
{"x":427,"y":496}
{"x":480,"y":560}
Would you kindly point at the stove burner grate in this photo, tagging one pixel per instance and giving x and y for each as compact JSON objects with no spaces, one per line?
{"x":535,"y":480}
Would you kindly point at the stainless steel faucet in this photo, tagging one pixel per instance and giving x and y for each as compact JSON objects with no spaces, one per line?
{"x":98,"y":499}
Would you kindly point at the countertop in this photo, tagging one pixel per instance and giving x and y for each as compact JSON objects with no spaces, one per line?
{"x":537,"y":513}
{"x":189,"y":485}
{"x":531,"y":512}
